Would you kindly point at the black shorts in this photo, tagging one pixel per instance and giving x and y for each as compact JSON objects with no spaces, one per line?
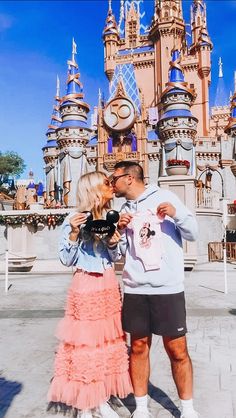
{"x":143,"y":315}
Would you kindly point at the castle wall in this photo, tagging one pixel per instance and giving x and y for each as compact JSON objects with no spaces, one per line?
{"x":210,"y":230}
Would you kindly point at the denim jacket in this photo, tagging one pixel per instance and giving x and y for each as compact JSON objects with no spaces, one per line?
{"x":83,"y":254}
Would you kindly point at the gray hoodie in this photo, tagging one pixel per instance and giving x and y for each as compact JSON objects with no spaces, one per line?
{"x":168,"y":279}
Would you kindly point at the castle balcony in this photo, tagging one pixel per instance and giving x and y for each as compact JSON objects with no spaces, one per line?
{"x":109,"y":160}
{"x":207,"y":199}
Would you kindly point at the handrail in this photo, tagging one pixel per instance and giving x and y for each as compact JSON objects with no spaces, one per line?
{"x":215,"y":251}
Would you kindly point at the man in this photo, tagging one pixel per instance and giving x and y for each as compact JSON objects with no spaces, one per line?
{"x":154,"y":300}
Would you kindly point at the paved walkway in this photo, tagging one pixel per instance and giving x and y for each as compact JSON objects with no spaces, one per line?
{"x":31,"y":309}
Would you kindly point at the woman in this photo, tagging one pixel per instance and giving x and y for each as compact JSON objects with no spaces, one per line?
{"x":91,"y":363}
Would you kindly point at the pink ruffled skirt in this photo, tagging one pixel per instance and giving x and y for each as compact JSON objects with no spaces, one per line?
{"x":91,"y":362}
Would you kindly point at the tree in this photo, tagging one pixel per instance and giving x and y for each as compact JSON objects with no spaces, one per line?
{"x":11,"y":164}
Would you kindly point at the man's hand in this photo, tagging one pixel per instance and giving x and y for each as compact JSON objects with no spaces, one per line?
{"x":166,"y":208}
{"x":75,"y":222}
{"x":113,"y":240}
{"x":124,"y":220}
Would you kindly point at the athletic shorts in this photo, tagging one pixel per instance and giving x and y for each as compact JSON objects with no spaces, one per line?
{"x":143,"y":315}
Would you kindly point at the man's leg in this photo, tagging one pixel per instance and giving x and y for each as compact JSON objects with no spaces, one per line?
{"x":182,"y":372}
{"x":181,"y":365}
{"x":140,"y":364}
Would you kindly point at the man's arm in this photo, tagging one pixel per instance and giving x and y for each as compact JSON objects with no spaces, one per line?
{"x":183,"y":218}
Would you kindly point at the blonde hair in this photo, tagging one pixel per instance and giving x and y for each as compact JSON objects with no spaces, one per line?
{"x":89,"y":194}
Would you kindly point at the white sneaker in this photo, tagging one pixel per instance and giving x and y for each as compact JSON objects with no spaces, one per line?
{"x":86,"y":414}
{"x":190,"y":414}
{"x":107,"y":412}
{"x":141,"y":413}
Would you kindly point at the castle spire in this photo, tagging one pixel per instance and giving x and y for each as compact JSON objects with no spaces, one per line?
{"x":74,"y":86}
{"x":110,"y":40}
{"x":177,"y":141}
{"x":200,"y":34}
{"x":231,"y":127}
{"x":221,"y":98}
{"x":73,"y":133}
{"x":50,"y":149}
{"x":220,"y":68}
{"x":56,"y":117}
{"x":132,"y":18}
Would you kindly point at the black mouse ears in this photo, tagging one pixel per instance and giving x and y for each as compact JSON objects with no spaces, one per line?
{"x":112,"y":216}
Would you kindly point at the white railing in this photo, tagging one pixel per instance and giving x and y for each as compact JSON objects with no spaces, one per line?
{"x":207,"y":199}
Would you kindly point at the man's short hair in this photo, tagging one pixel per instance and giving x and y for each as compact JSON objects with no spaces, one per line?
{"x":131,"y":167}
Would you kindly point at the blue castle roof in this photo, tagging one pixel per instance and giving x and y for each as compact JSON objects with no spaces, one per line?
{"x":125,"y":72}
{"x":176,"y":73}
{"x":139,"y":7}
{"x":93,"y":141}
{"x":74,"y":124}
{"x":50,"y":144}
{"x":140,"y":50}
{"x":176,"y":85}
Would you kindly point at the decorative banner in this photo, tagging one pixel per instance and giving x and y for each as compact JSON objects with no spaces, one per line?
{"x":33,"y":219}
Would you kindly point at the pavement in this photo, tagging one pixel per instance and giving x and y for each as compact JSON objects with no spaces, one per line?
{"x":31,"y":309}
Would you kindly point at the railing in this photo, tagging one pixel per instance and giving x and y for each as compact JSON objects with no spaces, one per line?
{"x":120,"y":156}
{"x":215,"y":251}
{"x":207,"y":199}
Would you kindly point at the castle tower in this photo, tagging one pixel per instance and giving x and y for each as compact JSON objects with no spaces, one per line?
{"x":200,"y":50}
{"x":110,"y":40}
{"x":73,"y":134}
{"x":177,"y":126}
{"x":231,"y":128}
{"x":220,"y":112}
{"x":177,"y":130}
{"x":132,"y":46}
{"x":50,"y":152}
{"x":167,"y":33}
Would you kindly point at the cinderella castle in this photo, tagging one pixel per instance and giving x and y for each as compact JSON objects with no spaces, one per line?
{"x":157,"y":114}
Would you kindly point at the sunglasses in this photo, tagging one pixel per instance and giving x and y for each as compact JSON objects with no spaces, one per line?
{"x":115,"y":178}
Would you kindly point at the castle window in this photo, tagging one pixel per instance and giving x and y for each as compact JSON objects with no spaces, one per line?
{"x":176,"y":119}
{"x":191,"y":86}
{"x":132,"y":34}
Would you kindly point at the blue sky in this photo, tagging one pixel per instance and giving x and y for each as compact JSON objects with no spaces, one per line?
{"x":35,"y":43}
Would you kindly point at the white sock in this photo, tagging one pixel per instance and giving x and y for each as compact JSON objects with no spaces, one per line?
{"x":141,"y":402}
{"x":186,"y":405}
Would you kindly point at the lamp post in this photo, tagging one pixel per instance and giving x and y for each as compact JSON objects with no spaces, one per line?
{"x":208,"y":170}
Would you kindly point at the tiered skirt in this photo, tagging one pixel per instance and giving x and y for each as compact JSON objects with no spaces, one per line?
{"x":91,"y":361}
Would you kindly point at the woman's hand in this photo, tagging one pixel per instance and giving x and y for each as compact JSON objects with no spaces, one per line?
{"x":75,"y":222}
{"x":113,"y":240}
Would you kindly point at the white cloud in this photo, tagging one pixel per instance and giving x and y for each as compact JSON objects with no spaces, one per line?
{"x":6,"y":22}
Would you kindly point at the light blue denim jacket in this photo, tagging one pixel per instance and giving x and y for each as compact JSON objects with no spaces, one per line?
{"x":81,"y":254}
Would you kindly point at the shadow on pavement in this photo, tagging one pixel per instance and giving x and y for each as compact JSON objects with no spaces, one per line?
{"x":157,"y":395}
{"x":8,"y":390}
{"x":163,"y":399}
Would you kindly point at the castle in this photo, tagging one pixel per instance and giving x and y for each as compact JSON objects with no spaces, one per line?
{"x":157,"y":114}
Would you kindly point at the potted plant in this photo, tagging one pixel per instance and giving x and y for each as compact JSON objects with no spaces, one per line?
{"x":175,"y":166}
